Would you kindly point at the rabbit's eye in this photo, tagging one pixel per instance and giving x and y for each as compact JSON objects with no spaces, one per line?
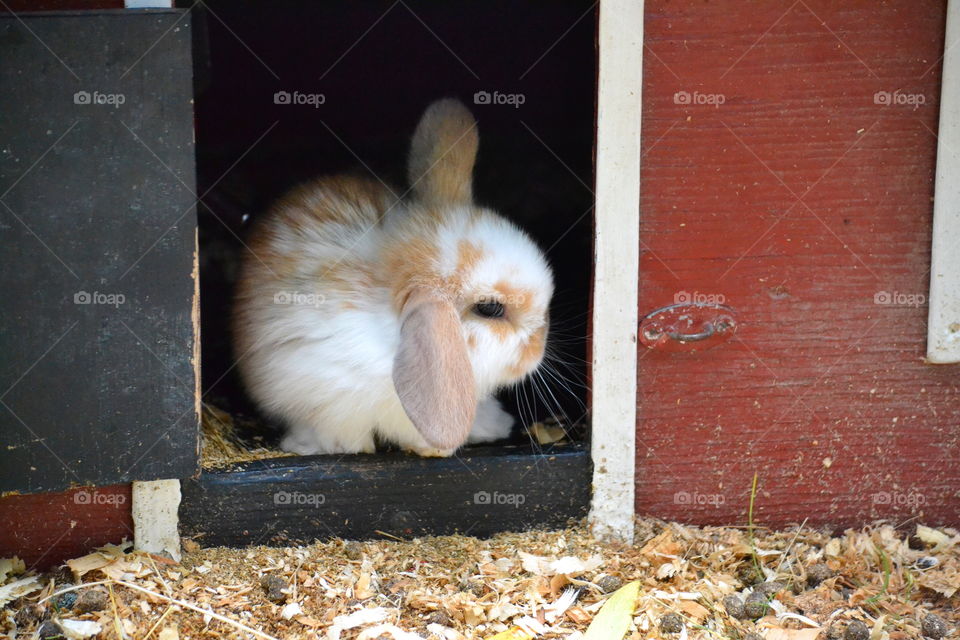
{"x":489,"y":309}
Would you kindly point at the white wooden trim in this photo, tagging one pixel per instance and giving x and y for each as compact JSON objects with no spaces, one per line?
{"x":155,"y":505}
{"x":147,"y":4}
{"x":943,"y":321}
{"x":614,"y":366}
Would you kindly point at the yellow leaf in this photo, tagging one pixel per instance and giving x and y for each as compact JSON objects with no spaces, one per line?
{"x":513,"y":633}
{"x":614,"y":617}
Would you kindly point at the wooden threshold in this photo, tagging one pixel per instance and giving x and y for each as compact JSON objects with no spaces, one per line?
{"x":485,"y":490}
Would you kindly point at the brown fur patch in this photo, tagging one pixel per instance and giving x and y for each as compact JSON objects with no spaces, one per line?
{"x":442,"y":154}
{"x":531,"y":354}
{"x":408,"y":265}
{"x":468,"y":255}
{"x":348,"y":276}
{"x":500,"y":328}
{"x":514,"y":297}
{"x":346,"y":199}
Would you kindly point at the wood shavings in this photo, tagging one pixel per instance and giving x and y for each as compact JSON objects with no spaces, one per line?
{"x":537,"y":584}
{"x":557,"y":608}
{"x":11,"y":567}
{"x":780,"y":633}
{"x":546,"y":434}
{"x":80,"y":629}
{"x":570,"y":566}
{"x":17,"y":589}
{"x":110,"y":557}
{"x":388,"y":630}
{"x":292,"y":609}
{"x":169,"y":633}
{"x":356,"y":619}
{"x":935,"y":537}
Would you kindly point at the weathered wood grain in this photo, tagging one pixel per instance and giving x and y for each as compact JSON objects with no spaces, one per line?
{"x":46,"y":529}
{"x":483,"y":491}
{"x":98,"y":370}
{"x":800,"y":199}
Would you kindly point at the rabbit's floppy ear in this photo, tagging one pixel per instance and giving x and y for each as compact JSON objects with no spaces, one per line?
{"x":444,"y":148}
{"x":432,"y":372}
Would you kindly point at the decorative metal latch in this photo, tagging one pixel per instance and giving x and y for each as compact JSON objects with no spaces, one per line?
{"x":687,"y":327}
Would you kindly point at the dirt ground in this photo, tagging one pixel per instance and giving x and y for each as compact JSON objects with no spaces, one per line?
{"x":675,"y":582}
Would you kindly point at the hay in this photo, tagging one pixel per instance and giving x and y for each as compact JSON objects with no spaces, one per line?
{"x":223,"y":447}
{"x":224,"y":443}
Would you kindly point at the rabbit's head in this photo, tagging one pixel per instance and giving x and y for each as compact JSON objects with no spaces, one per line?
{"x":471,"y":289}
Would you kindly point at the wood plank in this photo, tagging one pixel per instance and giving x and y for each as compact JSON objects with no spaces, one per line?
{"x":614,"y":324}
{"x":97,"y":363}
{"x":943,"y":321}
{"x":487,"y":490}
{"x":46,"y":529}
{"x":804,"y":198}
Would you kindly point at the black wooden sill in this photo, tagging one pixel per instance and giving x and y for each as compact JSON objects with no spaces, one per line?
{"x":483,"y":491}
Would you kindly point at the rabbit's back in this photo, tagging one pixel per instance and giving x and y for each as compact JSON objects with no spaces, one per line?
{"x":309,"y":294}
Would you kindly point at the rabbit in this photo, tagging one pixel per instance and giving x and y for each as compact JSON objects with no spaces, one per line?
{"x":363,"y":316}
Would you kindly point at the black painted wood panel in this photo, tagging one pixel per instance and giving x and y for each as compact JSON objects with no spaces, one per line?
{"x":483,"y":491}
{"x":97,"y":247}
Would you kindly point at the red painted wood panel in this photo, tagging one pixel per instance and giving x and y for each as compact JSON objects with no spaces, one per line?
{"x":797,"y":183}
{"x":45,"y":529}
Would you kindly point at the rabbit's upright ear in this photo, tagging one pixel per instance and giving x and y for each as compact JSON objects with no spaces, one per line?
{"x":432,"y":372}
{"x":442,"y":154}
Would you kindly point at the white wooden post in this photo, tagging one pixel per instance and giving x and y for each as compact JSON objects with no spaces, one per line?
{"x":155,"y":506}
{"x":943,"y":321}
{"x":614,"y":366}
